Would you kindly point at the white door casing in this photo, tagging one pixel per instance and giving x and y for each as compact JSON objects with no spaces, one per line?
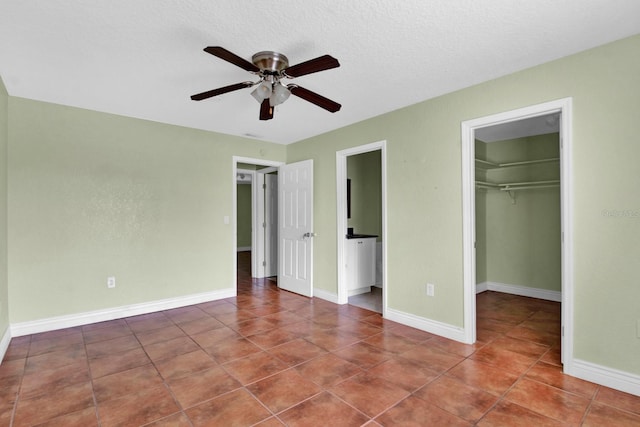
{"x":341,"y":219}
{"x":271,"y":225}
{"x":295,"y":198}
{"x":564,"y":107}
{"x":272,"y":165}
{"x":262,"y":217}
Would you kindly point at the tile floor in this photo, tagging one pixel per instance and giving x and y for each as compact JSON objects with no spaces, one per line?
{"x":272,"y":358}
{"x":369,"y":300}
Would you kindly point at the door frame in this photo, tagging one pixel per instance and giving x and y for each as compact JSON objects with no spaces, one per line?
{"x":257,"y":219}
{"x":468,"y":128}
{"x":341,"y":216}
{"x":254,"y":207}
{"x":263,"y":217}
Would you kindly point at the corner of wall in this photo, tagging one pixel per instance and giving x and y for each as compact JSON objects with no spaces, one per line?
{"x":4,"y":287}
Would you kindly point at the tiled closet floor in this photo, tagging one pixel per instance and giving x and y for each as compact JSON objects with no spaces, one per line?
{"x":273,"y":358}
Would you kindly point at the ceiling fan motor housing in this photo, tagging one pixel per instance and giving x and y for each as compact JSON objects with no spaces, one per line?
{"x":269,"y":62}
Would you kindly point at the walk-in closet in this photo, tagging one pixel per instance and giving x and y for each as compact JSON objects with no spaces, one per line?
{"x":518,"y":212}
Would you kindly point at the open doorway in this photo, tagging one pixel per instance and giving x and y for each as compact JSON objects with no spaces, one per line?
{"x":255,"y":217}
{"x":295,"y":222}
{"x":361,"y":183}
{"x":516,"y":176}
{"x":244,"y":181}
{"x":364,"y":230}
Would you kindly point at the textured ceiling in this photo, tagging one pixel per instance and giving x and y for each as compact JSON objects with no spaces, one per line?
{"x":144,"y":58}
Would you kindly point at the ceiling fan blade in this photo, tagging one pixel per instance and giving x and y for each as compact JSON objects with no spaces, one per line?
{"x":314,"y":98}
{"x":223,"y":53}
{"x":320,"y":63}
{"x":220,"y":91}
{"x":266,"y":110}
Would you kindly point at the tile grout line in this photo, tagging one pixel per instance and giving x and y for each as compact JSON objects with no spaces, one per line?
{"x":93,"y":390}
{"x":14,"y":411}
{"x":164,"y":380}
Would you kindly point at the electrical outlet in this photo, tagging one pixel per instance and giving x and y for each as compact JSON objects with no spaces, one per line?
{"x":430,"y":289}
{"x":111,"y":282}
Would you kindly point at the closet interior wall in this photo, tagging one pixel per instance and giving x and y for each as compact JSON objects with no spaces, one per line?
{"x":518,"y":227}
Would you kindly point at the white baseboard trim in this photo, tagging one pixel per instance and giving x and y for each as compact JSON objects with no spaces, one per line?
{"x":243,"y":248}
{"x":520,"y":290}
{"x":4,"y":343}
{"x":482,"y":287}
{"x":327,"y":296}
{"x":608,"y":377}
{"x":68,"y":321}
{"x":432,"y":326}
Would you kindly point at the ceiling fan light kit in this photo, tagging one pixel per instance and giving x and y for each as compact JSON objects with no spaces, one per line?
{"x":271,"y":67}
{"x":262,"y":91}
{"x":279,"y":94}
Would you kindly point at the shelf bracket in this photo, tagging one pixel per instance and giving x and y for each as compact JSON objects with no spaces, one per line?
{"x":512,"y":196}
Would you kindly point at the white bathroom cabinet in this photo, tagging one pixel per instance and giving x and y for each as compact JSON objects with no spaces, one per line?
{"x":361,"y":265}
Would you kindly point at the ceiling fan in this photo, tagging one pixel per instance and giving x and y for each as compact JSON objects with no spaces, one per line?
{"x":271,"y":68}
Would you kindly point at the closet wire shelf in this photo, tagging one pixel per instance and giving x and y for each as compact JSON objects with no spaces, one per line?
{"x":512,"y":186}
{"x":491,"y":165}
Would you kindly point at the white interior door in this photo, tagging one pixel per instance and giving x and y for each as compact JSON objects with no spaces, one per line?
{"x":271,"y":225}
{"x":295,"y":183}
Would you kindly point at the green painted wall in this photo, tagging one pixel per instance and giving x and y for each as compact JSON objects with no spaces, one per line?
{"x":364,"y":170}
{"x":425,"y":198}
{"x":94,"y":195}
{"x":244,"y":215}
{"x":246,"y":166}
{"x":519,"y":243}
{"x":4,"y":137}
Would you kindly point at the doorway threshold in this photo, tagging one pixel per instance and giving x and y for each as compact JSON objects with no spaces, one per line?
{"x":369,"y":300}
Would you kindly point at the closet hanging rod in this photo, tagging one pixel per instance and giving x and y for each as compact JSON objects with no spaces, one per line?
{"x":521,"y":184}
{"x":530,"y":187}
